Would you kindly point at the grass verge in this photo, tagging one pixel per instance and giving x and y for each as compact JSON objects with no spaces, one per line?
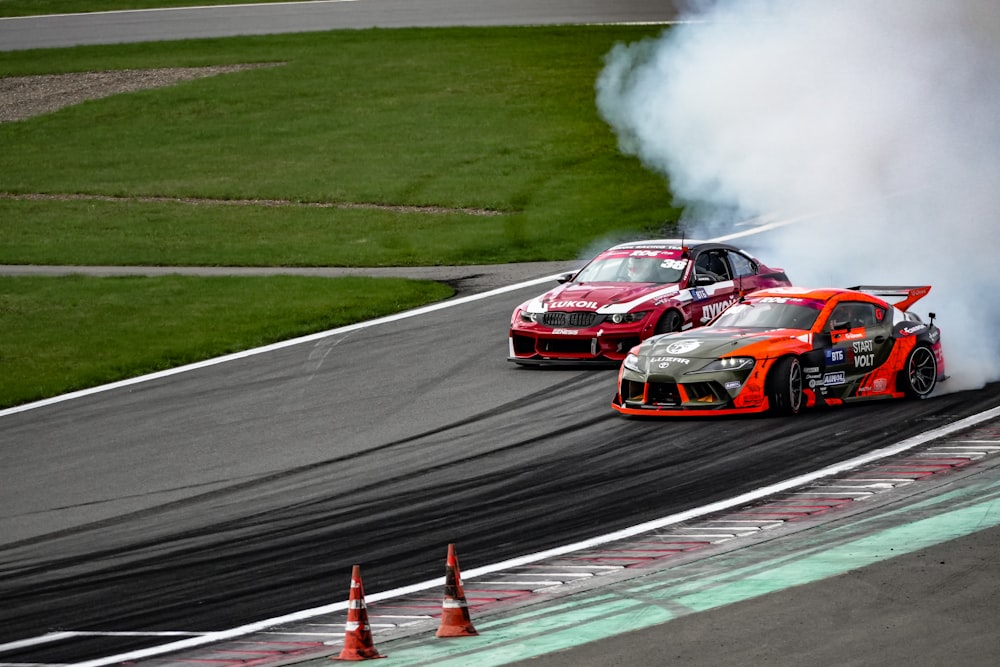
{"x":369,"y":123}
{"x":74,"y":332}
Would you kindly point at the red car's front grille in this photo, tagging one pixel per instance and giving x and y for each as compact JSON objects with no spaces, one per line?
{"x":559,"y":318}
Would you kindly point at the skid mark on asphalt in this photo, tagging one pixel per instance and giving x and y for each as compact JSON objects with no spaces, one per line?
{"x":532,"y":608}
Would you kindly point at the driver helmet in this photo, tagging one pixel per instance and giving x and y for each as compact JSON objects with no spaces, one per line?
{"x":634,"y":268}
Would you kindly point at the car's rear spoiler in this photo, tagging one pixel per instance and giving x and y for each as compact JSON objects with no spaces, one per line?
{"x":908,"y":294}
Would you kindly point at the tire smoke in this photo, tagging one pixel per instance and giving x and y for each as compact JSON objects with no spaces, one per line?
{"x":875,"y":124}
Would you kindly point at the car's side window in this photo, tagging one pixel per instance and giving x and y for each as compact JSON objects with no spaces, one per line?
{"x":742,"y":265}
{"x":855,"y":315}
{"x":713,"y":265}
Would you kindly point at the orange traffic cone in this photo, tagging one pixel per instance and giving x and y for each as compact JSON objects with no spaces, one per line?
{"x":455,"y":621}
{"x":358,"y":643}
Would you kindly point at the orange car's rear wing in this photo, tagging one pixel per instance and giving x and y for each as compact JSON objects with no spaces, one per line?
{"x":907,"y":294}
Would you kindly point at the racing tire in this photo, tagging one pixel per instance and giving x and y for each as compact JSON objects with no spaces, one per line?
{"x":784,"y":387}
{"x":669,"y":322}
{"x":919,"y":375}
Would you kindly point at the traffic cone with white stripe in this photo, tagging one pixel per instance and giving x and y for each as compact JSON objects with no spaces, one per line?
{"x":455,"y":621}
{"x":358,"y":642}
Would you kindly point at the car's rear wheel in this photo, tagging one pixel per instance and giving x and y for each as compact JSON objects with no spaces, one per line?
{"x":669,"y":322}
{"x":919,"y":376}
{"x":784,"y":386}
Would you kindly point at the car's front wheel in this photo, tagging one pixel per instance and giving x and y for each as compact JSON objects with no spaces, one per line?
{"x":669,"y":322}
{"x":784,"y":386}
{"x":919,"y":376}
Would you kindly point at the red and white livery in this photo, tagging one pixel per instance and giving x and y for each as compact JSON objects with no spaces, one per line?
{"x":630,"y":292}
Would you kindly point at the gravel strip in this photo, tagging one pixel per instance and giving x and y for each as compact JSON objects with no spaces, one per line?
{"x":26,"y":96}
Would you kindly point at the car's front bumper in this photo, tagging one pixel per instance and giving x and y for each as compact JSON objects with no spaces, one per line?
{"x":718,"y":393}
{"x":543,"y":346}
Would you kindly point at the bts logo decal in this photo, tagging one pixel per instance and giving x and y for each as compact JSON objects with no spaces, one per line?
{"x":698,"y":293}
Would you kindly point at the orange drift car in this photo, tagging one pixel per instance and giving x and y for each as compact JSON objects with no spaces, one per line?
{"x":787,"y":348}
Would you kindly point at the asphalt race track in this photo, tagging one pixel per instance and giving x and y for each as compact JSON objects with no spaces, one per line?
{"x":247,"y":489}
{"x":261,"y":19}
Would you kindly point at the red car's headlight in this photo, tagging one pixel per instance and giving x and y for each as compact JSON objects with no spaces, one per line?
{"x":622,"y":318}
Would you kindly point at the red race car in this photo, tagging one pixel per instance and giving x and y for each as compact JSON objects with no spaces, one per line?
{"x":785,"y":349}
{"x":630,"y":292}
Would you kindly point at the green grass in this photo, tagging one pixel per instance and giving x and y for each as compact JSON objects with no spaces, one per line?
{"x":495,"y":119}
{"x":347,"y":132}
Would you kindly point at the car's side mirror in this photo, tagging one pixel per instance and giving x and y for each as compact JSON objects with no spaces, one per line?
{"x":841,"y":326}
{"x":566,"y":277}
{"x":702,"y":279}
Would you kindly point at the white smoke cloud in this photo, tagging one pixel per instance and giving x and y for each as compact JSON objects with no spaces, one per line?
{"x":877,"y":120}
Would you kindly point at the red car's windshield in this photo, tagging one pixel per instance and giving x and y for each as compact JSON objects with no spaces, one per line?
{"x":771,"y":313}
{"x":635,"y":266}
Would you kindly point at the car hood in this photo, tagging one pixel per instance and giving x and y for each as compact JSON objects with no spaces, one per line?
{"x":601,"y":297}
{"x":713,"y":343}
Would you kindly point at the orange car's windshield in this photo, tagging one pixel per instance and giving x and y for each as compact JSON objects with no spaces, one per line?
{"x":765,"y":314}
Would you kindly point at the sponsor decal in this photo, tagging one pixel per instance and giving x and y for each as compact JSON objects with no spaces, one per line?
{"x":864,"y":360}
{"x":909,"y":331}
{"x":814,"y":377}
{"x":836,"y":355}
{"x":556,"y":305}
{"x":863,"y":346}
{"x":683,"y":346}
{"x":733,"y":384}
{"x":851,"y":335}
{"x":831,"y":379}
{"x":565,"y":332}
{"x":698,"y":293}
{"x":713,"y":309}
{"x":663,"y":362}
{"x":880,"y":384}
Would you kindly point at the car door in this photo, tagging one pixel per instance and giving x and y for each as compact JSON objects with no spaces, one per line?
{"x":745,"y":273}
{"x":712,"y":287}
{"x":860,"y":341}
